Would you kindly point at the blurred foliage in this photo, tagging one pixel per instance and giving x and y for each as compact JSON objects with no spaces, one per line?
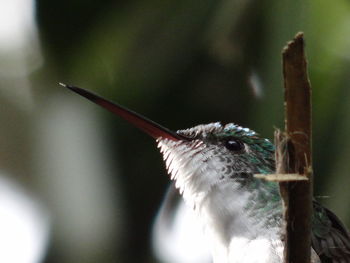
{"x":183,"y":63}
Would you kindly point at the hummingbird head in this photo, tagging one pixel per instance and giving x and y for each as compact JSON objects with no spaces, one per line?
{"x":215,"y":155}
{"x":202,"y":158}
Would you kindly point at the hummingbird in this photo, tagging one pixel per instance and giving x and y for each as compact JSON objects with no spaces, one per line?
{"x":213,"y":167}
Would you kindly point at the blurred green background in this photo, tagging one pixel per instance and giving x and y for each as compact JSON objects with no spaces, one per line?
{"x":100,"y":181}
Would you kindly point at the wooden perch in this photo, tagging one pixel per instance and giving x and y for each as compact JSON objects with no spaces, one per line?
{"x":293,"y":153}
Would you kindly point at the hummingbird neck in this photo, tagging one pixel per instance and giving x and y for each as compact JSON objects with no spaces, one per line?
{"x":229,"y":204}
{"x":230,"y":217}
{"x":218,"y":193}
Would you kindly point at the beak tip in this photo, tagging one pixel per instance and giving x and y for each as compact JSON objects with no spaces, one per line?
{"x":89,"y":95}
{"x":67,"y":86}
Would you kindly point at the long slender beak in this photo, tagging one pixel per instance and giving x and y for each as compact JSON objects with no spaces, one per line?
{"x":150,"y":127}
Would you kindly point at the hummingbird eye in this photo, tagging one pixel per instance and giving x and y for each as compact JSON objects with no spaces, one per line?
{"x":234,"y":145}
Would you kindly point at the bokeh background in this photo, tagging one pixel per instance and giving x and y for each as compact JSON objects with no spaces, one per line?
{"x":79,"y":184}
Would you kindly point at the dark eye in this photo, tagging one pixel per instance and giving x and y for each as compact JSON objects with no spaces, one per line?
{"x":234,"y":145}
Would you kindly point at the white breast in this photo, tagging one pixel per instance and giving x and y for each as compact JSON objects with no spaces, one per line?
{"x":234,"y":236}
{"x":260,"y":250}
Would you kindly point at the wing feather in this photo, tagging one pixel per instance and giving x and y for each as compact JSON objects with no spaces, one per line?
{"x":330,"y":238}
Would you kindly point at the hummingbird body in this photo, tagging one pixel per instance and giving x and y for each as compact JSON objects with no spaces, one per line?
{"x":213,"y":167}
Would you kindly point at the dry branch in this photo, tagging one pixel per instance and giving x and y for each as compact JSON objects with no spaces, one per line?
{"x":293,"y":153}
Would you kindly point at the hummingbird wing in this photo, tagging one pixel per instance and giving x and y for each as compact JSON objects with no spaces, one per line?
{"x":330,"y":238}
